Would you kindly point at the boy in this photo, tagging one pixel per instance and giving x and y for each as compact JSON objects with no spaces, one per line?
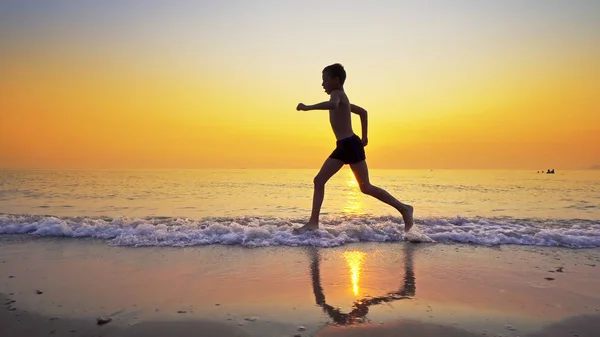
{"x":349,"y":150}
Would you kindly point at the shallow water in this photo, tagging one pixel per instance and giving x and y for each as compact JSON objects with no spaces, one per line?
{"x":259,"y":207}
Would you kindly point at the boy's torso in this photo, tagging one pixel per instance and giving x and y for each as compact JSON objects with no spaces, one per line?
{"x":340,"y":119}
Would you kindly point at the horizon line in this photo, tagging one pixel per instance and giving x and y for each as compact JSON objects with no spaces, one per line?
{"x":267,"y":168}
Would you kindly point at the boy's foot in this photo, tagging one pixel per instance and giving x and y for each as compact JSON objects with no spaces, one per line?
{"x":407,"y":216}
{"x":306,"y":228}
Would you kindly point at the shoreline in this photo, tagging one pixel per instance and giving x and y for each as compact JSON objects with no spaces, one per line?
{"x":22,"y":323}
{"x":355,"y":290}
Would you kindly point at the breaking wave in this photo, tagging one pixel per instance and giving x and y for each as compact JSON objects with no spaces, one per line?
{"x":273,"y":231}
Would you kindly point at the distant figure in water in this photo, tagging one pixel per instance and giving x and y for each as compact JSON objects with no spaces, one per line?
{"x":349,"y":148}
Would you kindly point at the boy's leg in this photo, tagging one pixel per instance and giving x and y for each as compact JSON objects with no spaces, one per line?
{"x":329,"y":168}
{"x":361,"y":172}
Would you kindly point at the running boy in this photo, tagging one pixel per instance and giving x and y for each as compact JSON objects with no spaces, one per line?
{"x":349,"y":148}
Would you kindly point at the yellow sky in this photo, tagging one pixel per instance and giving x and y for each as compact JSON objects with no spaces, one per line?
{"x":466,"y":87}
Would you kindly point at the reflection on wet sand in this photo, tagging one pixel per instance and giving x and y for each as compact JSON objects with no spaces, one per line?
{"x":360,"y":308}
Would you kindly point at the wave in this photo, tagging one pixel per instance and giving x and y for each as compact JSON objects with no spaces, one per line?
{"x":273,"y":231}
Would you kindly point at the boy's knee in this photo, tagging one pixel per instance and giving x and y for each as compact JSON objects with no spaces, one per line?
{"x":366,"y":188}
{"x":318,"y":181}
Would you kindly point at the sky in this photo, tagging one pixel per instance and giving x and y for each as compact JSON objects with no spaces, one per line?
{"x":214,"y":84}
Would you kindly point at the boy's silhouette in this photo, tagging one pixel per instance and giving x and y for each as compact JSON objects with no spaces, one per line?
{"x":349,"y":148}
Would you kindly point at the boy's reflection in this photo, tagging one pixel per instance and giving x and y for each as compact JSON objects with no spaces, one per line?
{"x":361,"y":307}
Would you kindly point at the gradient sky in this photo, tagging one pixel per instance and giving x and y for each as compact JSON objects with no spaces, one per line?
{"x":214,"y":84}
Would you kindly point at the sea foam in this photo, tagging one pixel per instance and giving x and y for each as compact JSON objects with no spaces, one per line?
{"x":272,"y":231}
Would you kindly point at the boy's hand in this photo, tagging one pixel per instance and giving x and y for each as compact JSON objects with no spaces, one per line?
{"x":301,"y":107}
{"x":365,"y":141}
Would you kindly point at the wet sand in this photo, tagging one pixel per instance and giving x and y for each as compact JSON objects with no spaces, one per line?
{"x":61,"y":287}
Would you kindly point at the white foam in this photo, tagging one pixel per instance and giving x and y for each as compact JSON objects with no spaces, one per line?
{"x":270,"y":231}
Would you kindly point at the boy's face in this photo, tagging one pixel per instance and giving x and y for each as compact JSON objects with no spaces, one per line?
{"x":329,"y":83}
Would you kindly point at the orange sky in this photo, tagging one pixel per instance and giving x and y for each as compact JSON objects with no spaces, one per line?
{"x":199,"y":86}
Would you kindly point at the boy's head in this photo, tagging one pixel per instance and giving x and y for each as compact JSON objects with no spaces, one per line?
{"x":334,"y":77}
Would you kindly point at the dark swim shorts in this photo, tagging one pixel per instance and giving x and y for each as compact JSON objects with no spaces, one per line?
{"x":349,"y":150}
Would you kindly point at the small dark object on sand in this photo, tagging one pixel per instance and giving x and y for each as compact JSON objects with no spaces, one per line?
{"x":549,"y":278}
{"x":103,"y":320}
{"x":39,"y":292}
{"x":559,"y":269}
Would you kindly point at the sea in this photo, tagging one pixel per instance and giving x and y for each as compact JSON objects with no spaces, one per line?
{"x":261,"y":207}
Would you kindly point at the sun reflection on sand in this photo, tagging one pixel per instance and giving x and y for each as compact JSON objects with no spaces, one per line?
{"x":354,"y":205}
{"x":355,"y":261}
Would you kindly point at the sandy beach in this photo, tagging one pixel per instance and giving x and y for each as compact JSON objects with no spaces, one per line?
{"x":61,"y":287}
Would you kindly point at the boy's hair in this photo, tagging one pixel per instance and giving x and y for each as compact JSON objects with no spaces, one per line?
{"x":336,"y":70}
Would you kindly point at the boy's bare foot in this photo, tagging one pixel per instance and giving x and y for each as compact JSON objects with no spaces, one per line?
{"x":311,"y":226}
{"x":407,"y":216}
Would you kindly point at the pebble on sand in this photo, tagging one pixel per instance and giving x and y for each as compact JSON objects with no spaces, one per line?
{"x":103,"y":320}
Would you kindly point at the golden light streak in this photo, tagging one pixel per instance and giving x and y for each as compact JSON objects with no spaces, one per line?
{"x":355,"y":261}
{"x":354,"y":205}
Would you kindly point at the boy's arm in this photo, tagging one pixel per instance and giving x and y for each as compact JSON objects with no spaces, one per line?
{"x":363,"y":120}
{"x":333,"y":103}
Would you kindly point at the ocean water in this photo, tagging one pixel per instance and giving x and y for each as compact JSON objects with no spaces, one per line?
{"x":260,"y":207}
